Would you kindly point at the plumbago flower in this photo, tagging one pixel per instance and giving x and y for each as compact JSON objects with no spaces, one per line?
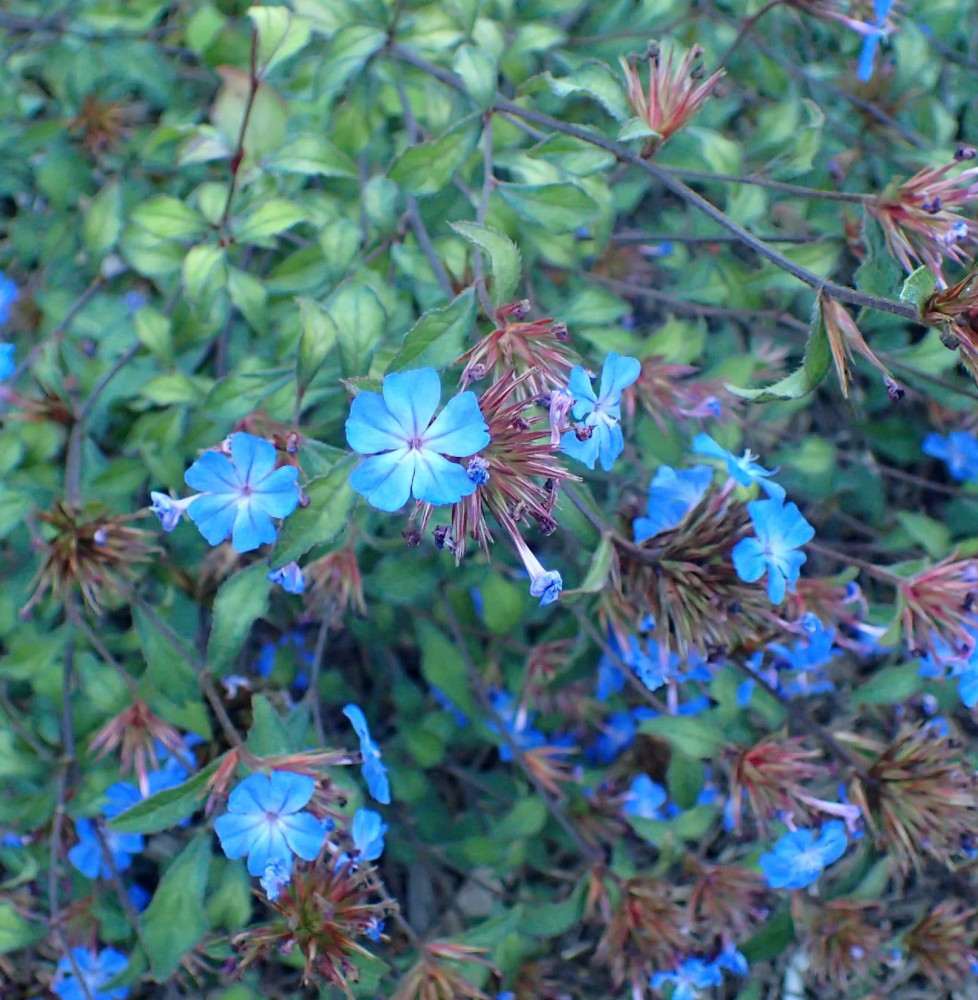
{"x":408,"y":451}
{"x":799,"y":857}
{"x":743,"y":470}
{"x":374,"y":772}
{"x":599,"y":437}
{"x":239,"y":494}
{"x":93,"y":972}
{"x":672,"y":495}
{"x":958,"y":451}
{"x":265,"y":821}
{"x":781,"y":529}
{"x":87,"y":854}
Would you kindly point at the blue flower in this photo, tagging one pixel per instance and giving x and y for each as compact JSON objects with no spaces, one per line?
{"x":600,"y":413}
{"x":265,"y":821}
{"x":617,"y":734}
{"x":289,"y":577}
{"x":168,"y":510}
{"x":240,"y":495}
{"x":780,"y":530}
{"x":518,"y":723}
{"x":732,"y":960}
{"x":645,"y":798}
{"x":95,"y":971}
{"x":544,"y":583}
{"x":374,"y":772}
{"x":672,"y":495}
{"x":407,"y":449}
{"x":871,"y":40}
{"x":692,"y":976}
{"x":87,"y":855}
{"x":799,"y":857}
{"x":9,"y":294}
{"x":743,"y":470}
{"x":959,"y":451}
{"x":367,"y":830}
{"x":7,"y":364}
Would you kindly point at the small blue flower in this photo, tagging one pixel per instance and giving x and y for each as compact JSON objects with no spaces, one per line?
{"x":95,"y":971}
{"x":9,"y":293}
{"x":799,"y":857}
{"x":7,"y":364}
{"x":732,"y":960}
{"x":289,"y":577}
{"x":168,"y":510}
{"x":544,"y":583}
{"x":599,"y":413}
{"x":367,"y":830}
{"x":374,"y":772}
{"x":958,"y":451}
{"x":692,"y":976}
{"x":871,"y":39}
{"x":375,"y":928}
{"x":780,"y":530}
{"x":743,"y":470}
{"x":645,"y":798}
{"x":265,"y":821}
{"x":518,"y":723}
{"x":672,"y":495}
{"x":87,"y":855}
{"x":275,"y":878}
{"x":240,"y":495}
{"x":617,"y":734}
{"x":407,"y":449}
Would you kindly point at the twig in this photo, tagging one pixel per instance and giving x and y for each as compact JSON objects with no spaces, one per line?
{"x":238,"y":155}
{"x":488,"y":183}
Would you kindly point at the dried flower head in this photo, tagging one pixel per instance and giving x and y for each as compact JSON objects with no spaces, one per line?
{"x":845,"y":939}
{"x":102,"y":124}
{"x":537,"y":350}
{"x":668,"y":392}
{"x":334,"y":585}
{"x":435,"y":977}
{"x":919,"y":796}
{"x":944,"y":944}
{"x":675,"y":94}
{"x":89,"y":550}
{"x":954,"y":310}
{"x":846,"y":339}
{"x":920,"y":216}
{"x":725,"y":901}
{"x":937,"y":603}
{"x":518,"y":473}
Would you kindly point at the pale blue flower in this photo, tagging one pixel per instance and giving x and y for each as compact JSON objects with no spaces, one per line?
{"x":743,"y":470}
{"x":781,"y":529}
{"x":518,"y":722}
{"x":168,"y":510}
{"x":600,"y":413}
{"x":374,"y":772}
{"x":544,"y":583}
{"x":289,"y":577}
{"x":87,"y":854}
{"x":871,"y":39}
{"x":672,"y":495}
{"x":265,"y":821}
{"x":645,"y":798}
{"x":9,"y":293}
{"x":407,"y":449}
{"x":276,"y":877}
{"x":958,"y":451}
{"x":240,"y":495}
{"x":799,"y":857}
{"x":367,"y":830}
{"x":7,"y":364}
{"x":94,"y":972}
{"x":689,"y":978}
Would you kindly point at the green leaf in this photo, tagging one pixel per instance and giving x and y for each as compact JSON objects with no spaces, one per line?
{"x":891,"y":685}
{"x":525,"y":819}
{"x":167,"y":808}
{"x":814,"y":366}
{"x":280,"y":35}
{"x":558,"y":208}
{"x":175,"y":921}
{"x":155,"y":333}
{"x":503,"y":254}
{"x":321,"y":523}
{"x":478,"y":72}
{"x":103,"y":220}
{"x":168,"y":218}
{"x":311,"y":155}
{"x":268,"y":735}
{"x":428,"y":168}
{"x":318,"y":338}
{"x":249,"y":296}
{"x":919,"y":287}
{"x":204,"y":271}
{"x":599,"y":567}
{"x":443,"y":668}
{"x":360,"y":320}
{"x":17,"y":932}
{"x":269,"y":219}
{"x":637,"y":128}
{"x":595,"y":80}
{"x":696,"y":736}
{"x":346,"y":54}
{"x":879,"y":273}
{"x":934,"y":536}
{"x":438,"y":336}
{"x":240,"y":601}
{"x":551,"y":919}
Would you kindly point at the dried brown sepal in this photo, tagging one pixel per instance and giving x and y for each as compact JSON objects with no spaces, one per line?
{"x":944,"y":943}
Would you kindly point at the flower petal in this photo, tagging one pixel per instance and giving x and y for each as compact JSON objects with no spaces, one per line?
{"x":252,"y":526}
{"x":268,"y":846}
{"x":290,"y":792}
{"x":371,"y":427}
{"x":459,"y":430}
{"x":304,"y":834}
{"x":412,"y":398}
{"x":278,"y":493}
{"x":579,"y":386}
{"x":611,"y":444}
{"x":252,"y":795}
{"x":385,"y":480}
{"x":749,"y":560}
{"x":237,"y":832}
{"x":214,"y":514}
{"x":438,"y":481}
{"x":584,"y":451}
{"x":617,"y":374}
{"x":254,"y":458}
{"x":213,"y":473}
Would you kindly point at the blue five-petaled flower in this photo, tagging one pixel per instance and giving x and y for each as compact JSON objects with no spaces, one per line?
{"x":94,"y":971}
{"x":265,"y":821}
{"x":599,"y":413}
{"x":958,"y":451}
{"x":781,"y":529}
{"x":374,"y":772}
{"x":672,"y":495}
{"x":87,"y":855}
{"x":689,"y":978}
{"x":871,"y":39}
{"x":744,"y":470}
{"x":408,"y":451}
{"x":799,"y":857}
{"x":239,"y":496}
